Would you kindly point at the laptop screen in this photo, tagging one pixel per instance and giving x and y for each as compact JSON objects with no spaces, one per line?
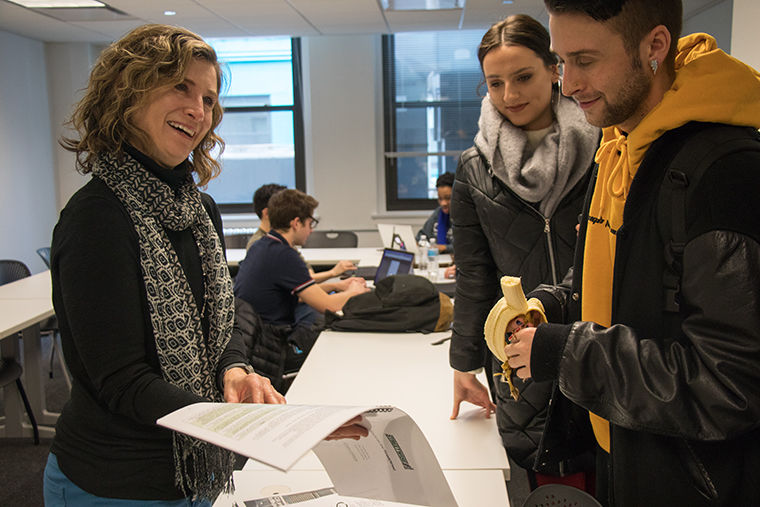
{"x":394,"y":262}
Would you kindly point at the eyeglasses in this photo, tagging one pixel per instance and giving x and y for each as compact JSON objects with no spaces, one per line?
{"x":314,"y":222}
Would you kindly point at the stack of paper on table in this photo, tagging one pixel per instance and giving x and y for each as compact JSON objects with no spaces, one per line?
{"x":394,"y":463}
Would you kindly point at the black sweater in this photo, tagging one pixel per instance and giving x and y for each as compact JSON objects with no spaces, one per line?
{"x":106,"y":439}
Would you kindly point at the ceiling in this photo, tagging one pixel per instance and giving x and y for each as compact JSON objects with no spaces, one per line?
{"x":239,"y":18}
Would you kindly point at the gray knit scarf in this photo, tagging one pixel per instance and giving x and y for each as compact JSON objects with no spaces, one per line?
{"x":560,"y":160}
{"x":187,"y":360}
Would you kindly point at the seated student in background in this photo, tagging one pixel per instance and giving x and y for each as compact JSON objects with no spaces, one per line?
{"x":438,"y":225}
{"x":261,"y":206}
{"x":273,"y":276}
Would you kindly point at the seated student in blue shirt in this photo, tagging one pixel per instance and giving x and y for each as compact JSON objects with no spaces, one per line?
{"x":438,"y":225}
{"x":273,"y":277}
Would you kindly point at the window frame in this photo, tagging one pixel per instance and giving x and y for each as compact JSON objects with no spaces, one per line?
{"x":299,"y":157}
{"x":391,"y":155}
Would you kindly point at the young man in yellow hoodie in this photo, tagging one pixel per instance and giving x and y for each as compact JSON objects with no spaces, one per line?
{"x":673,"y":395}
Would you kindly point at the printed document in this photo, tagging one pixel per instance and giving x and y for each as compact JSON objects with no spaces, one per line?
{"x":393,"y":463}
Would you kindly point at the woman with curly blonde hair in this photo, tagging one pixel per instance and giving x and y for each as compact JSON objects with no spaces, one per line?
{"x":140,"y":283}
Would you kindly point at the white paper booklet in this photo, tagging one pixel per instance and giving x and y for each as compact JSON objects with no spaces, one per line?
{"x":394,"y":463}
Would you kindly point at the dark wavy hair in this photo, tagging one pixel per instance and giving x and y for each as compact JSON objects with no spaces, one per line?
{"x":126,"y":72}
{"x":518,"y":30}
{"x":262,"y":195}
{"x":288,"y":204}
{"x":632,"y":19}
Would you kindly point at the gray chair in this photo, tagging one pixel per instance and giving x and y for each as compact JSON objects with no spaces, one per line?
{"x":50,"y":326}
{"x":332,"y":239}
{"x":236,"y":240}
{"x":10,"y":370}
{"x":44,"y":253}
{"x":560,"y":495}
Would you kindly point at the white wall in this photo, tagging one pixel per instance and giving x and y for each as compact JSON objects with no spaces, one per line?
{"x":744,"y":44}
{"x":716,"y":21}
{"x":68,"y":70}
{"x":27,"y":184}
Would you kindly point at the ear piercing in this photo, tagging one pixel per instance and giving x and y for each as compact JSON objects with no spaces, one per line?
{"x":654,"y":64}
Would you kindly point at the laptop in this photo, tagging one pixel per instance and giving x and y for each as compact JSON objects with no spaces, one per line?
{"x":398,"y":236}
{"x":394,"y":262}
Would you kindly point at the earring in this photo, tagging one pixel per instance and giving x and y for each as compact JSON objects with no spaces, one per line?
{"x":654,"y":64}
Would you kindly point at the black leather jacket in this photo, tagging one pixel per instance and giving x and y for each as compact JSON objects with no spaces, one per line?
{"x":680,"y":389}
{"x":496,"y":233}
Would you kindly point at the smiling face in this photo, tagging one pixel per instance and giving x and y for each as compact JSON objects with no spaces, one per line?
{"x":176,"y":118}
{"x":520,"y":85}
{"x":610,"y":85}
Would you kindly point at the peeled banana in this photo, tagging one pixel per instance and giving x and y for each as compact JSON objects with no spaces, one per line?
{"x":511,"y":306}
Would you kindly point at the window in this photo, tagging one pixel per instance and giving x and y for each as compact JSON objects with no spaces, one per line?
{"x":262,"y":125}
{"x":432,"y":108}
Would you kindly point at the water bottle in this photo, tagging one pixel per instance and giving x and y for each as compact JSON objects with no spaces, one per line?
{"x":432,"y":261}
{"x":422,"y":255}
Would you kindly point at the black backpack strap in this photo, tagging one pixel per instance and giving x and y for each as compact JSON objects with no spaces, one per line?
{"x":686,"y":169}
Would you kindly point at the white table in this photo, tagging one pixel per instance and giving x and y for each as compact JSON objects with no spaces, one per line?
{"x":368,"y":256}
{"x":364,"y":256}
{"x":23,"y":305}
{"x":471,"y":488}
{"x":406,"y":371}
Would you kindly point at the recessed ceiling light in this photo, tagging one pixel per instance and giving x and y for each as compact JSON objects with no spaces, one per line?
{"x":169,"y":13}
{"x":422,"y":5}
{"x":47,"y":4}
{"x":507,"y":1}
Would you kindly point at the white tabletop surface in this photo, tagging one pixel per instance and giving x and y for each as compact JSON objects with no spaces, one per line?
{"x":32,"y":287}
{"x":364,"y":256}
{"x":471,"y":488}
{"x":17,"y":314}
{"x":406,"y":371}
{"x":23,"y":304}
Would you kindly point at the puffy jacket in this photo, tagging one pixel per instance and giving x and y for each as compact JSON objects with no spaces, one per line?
{"x":680,"y":389}
{"x":497,"y":233}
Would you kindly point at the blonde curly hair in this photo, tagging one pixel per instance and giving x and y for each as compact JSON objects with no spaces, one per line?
{"x":126,"y":72}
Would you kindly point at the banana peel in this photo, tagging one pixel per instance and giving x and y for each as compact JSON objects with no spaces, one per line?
{"x":512,"y":305}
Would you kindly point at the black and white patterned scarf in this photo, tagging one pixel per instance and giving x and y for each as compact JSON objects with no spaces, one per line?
{"x":187,"y":360}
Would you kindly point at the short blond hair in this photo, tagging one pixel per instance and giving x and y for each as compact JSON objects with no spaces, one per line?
{"x":147,"y":58}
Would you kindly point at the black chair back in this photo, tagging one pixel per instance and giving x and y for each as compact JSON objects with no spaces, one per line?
{"x":11,"y":270}
{"x":332,"y":239}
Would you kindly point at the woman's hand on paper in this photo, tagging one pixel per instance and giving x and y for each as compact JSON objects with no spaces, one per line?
{"x":243,"y":387}
{"x":467,"y":387}
{"x":350,"y":429}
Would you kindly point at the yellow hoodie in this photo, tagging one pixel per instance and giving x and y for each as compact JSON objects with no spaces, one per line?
{"x":710,"y":86}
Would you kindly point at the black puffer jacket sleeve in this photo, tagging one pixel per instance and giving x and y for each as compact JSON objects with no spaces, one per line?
{"x":477,"y":281}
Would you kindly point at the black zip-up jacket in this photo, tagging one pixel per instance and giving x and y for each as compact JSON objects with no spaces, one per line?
{"x":680,"y":390}
{"x":496,"y":233}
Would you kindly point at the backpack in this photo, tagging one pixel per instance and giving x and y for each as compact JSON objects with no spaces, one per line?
{"x":699,"y":152}
{"x":398,"y":303}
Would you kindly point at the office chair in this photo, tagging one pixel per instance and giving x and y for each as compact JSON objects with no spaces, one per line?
{"x":236,"y":240}
{"x":10,"y":370}
{"x":50,"y":326}
{"x":560,"y":495}
{"x":44,"y":252}
{"x":332,"y":239}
